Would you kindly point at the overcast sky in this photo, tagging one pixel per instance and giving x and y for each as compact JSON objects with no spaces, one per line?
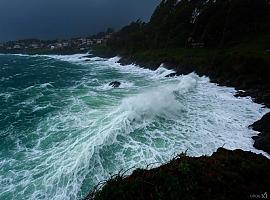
{"x":45,"y":19}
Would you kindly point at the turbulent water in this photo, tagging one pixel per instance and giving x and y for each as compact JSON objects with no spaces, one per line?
{"x":63,"y":129}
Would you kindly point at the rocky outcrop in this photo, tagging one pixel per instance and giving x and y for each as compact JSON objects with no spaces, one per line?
{"x":171,"y":75}
{"x":115,"y":84}
{"x":224,"y":175}
{"x":262,"y":141}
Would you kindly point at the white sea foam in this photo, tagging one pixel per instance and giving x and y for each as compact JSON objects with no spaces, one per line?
{"x":46,"y":85}
{"x":75,"y":58}
{"x":161,"y":72}
{"x":161,"y":100}
{"x":6,"y":95}
{"x":39,"y":108}
{"x":4,"y":79}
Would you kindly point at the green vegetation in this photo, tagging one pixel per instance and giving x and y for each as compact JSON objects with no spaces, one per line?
{"x":224,"y":175}
{"x":255,"y":47}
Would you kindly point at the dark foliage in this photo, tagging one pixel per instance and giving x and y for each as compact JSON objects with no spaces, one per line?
{"x":213,"y":23}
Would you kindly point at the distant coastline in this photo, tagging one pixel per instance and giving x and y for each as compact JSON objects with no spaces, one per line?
{"x":57,"y":46}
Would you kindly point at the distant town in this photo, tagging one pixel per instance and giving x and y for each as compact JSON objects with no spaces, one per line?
{"x":73,"y":45}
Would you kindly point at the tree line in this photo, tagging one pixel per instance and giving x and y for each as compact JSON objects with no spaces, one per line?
{"x":209,"y":23}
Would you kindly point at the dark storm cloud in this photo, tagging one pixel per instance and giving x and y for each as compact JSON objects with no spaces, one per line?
{"x":65,"y":18}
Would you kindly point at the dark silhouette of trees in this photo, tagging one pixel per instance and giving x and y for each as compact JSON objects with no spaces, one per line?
{"x":214,"y":23}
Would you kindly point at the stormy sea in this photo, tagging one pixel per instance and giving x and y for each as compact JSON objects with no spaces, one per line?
{"x":63,"y":128}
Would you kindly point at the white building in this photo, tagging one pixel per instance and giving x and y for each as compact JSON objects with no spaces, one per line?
{"x":34,"y":46}
{"x":65,"y":44}
{"x":89,"y":42}
{"x":17,"y":46}
{"x":59,"y":45}
{"x":99,"y":41}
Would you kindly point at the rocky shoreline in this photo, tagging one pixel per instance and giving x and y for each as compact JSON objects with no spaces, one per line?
{"x":249,"y":76}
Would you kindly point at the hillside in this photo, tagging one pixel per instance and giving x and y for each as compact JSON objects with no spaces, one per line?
{"x":195,"y":23}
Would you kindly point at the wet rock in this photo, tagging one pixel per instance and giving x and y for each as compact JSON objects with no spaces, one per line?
{"x":115,"y":84}
{"x":87,"y":56}
{"x":171,"y":75}
{"x":262,"y":141}
{"x":241,"y":93}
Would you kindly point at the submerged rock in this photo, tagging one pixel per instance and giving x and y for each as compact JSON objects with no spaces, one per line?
{"x":115,"y":84}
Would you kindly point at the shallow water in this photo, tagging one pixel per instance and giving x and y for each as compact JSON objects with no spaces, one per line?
{"x":63,"y":128}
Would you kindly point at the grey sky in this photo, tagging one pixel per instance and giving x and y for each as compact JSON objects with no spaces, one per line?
{"x":65,"y":18}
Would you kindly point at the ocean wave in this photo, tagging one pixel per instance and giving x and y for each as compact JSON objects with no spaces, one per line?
{"x":158,"y":101}
{"x":161,"y":72}
{"x":75,"y":58}
{"x":40,"y":108}
{"x":4,"y":79}
{"x":6,"y":95}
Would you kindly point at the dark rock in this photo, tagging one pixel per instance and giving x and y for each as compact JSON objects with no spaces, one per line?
{"x":153,"y":65}
{"x":125,"y":61}
{"x":171,"y":75}
{"x":263,"y":125}
{"x":224,"y":175}
{"x":241,"y":94}
{"x":115,"y":84}
{"x":88,"y":56}
{"x":262,"y":141}
{"x":87,"y":60}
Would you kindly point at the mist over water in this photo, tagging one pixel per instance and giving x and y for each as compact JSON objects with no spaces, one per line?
{"x":63,"y":128}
